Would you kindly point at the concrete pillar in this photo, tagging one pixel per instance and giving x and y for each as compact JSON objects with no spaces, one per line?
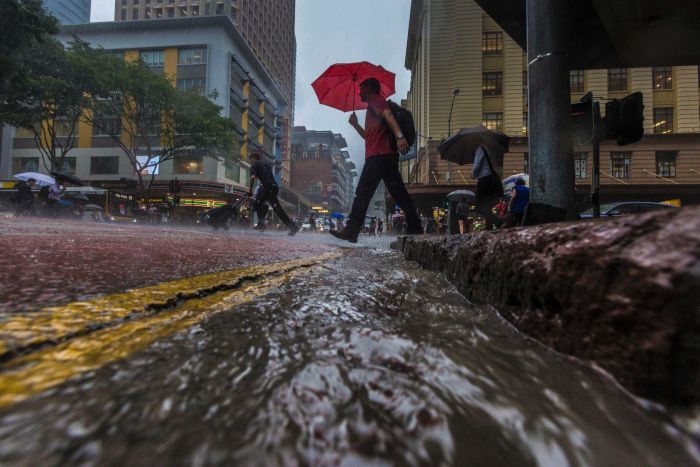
{"x":550,"y":140}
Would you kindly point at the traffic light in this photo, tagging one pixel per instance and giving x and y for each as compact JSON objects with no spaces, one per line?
{"x":625,"y":119}
{"x":583,"y":119}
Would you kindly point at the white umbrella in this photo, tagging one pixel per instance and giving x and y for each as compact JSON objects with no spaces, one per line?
{"x":92,"y":207}
{"x":509,"y":183}
{"x":41,"y":179}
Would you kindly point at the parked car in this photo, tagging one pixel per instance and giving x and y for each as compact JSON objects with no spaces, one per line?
{"x":625,"y":208}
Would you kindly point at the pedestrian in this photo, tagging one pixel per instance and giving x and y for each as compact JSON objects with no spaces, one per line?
{"x":312,"y":222}
{"x":443,"y":225}
{"x":383,"y":143}
{"x":519,"y":199}
{"x":24,"y":197}
{"x":488,"y":188}
{"x":267,"y":195}
{"x":463,"y":214}
{"x":380,"y":227}
{"x":502,"y":209}
{"x":373,"y":227}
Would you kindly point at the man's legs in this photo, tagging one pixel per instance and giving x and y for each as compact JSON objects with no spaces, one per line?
{"x":485,"y":201}
{"x":397,"y":190}
{"x":274,"y":202}
{"x":371,"y":174}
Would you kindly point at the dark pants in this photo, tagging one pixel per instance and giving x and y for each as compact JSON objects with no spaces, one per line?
{"x":268,"y":195}
{"x":486,"y":199}
{"x":376,"y":169}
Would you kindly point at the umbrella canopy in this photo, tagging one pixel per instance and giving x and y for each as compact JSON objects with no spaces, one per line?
{"x":461,"y":147}
{"x":339,"y":85}
{"x":41,"y":179}
{"x":79,"y":196}
{"x":457,"y":195}
{"x":337,"y":215}
{"x":72,"y":179}
{"x":509,"y":183}
{"x":92,"y":207}
{"x":397,"y":215}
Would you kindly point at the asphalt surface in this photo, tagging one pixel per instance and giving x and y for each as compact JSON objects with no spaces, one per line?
{"x":279,"y":351}
{"x":48,"y":262}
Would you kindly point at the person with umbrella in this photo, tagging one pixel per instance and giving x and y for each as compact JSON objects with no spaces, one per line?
{"x":383,"y":142}
{"x":24,"y":198}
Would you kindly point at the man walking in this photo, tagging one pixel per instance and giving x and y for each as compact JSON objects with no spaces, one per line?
{"x":488,"y":188}
{"x":383,"y":142}
{"x":24,"y":198}
{"x":267,"y":194}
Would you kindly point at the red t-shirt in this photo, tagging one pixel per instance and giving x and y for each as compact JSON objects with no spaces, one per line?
{"x":378,"y":137}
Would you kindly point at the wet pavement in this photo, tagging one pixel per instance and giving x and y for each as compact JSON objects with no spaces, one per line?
{"x":52,"y":261}
{"x":360,"y":359}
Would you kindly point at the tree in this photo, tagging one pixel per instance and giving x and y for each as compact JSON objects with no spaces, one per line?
{"x":156,"y":120}
{"x":51,"y":99}
{"x":24,"y":24}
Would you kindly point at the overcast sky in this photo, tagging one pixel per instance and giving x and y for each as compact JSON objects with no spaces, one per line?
{"x":332,"y":31}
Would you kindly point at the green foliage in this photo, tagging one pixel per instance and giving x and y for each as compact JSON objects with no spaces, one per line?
{"x":23,"y":25}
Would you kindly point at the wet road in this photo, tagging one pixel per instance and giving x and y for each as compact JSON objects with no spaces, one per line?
{"x":344,"y":360}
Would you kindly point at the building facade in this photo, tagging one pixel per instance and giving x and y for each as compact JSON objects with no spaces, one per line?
{"x":266,"y":26}
{"x":456,"y":45}
{"x":206,"y":54}
{"x":69,"y":11}
{"x":322,"y":170}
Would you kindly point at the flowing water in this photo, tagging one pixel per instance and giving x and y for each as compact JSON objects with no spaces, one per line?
{"x":365,"y":360}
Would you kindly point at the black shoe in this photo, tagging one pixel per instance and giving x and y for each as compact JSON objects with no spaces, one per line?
{"x":259,"y":227}
{"x":293,"y":231}
{"x":344,"y":234}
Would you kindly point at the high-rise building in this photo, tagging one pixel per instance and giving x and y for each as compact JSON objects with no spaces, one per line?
{"x":456,"y":45}
{"x":69,"y":11}
{"x":321,"y":169}
{"x":267,"y":27}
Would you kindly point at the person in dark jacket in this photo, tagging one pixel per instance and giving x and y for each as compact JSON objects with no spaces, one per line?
{"x":463,"y":214}
{"x":488,"y":188}
{"x":267,"y":195}
{"x":24,"y":198}
{"x":519,"y":199}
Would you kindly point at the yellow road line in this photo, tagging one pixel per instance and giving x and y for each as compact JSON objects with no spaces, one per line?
{"x":27,"y":375}
{"x":54,"y":324}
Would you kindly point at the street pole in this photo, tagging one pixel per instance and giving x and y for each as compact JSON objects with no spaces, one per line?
{"x":595,"y":180}
{"x":449,"y":133}
{"x":549,"y":102}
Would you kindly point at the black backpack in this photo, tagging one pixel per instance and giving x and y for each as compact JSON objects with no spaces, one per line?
{"x":405,"y":120}
{"x":44,"y":192}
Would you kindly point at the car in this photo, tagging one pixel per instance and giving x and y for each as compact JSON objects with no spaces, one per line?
{"x":625,"y":208}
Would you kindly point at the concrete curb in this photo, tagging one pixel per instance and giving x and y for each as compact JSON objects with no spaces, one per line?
{"x":623,"y":293}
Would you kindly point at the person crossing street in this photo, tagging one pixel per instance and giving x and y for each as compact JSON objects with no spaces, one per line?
{"x":267,"y":195}
{"x":383,"y":142}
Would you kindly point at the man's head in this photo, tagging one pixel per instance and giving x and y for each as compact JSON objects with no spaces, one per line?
{"x":368,"y":87}
{"x":255,"y":156}
{"x":32,"y":182}
{"x":520,"y":182}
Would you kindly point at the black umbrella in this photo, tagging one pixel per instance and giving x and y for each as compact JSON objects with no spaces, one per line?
{"x":72,"y":179}
{"x":461,"y":147}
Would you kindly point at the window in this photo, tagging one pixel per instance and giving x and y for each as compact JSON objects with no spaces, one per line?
{"x":106,"y":126}
{"x":219,"y":8}
{"x":153,"y":58}
{"x":124,"y":2}
{"x":135,"y":13}
{"x":171,"y":12}
{"x":492,"y":84}
{"x":662,"y":78}
{"x":192,"y":56}
{"x":24,"y":133}
{"x":492,"y":43}
{"x":576,"y":81}
{"x":195,"y":10}
{"x":620,"y":164}
{"x":663,"y":120}
{"x":25,"y":164}
{"x":189,"y":84}
{"x":666,"y":163}
{"x":104,"y":165}
{"x":580,"y":164}
{"x":525,"y":124}
{"x":123,"y":14}
{"x":493,"y":120}
{"x":526,"y":163}
{"x":189,"y":165}
{"x":147,"y":12}
{"x":617,"y":79}
{"x":68,"y":165}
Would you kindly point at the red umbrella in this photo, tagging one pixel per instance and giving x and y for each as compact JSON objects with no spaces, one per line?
{"x":339,"y":85}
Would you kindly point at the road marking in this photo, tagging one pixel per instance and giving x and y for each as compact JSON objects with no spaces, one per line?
{"x":23,"y":332}
{"x":27,"y":375}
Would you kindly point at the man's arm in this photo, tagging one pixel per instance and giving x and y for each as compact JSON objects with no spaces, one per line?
{"x":513,"y":195}
{"x":356,"y":125}
{"x":252,"y":184}
{"x":401,"y":142}
{"x":478,"y":161}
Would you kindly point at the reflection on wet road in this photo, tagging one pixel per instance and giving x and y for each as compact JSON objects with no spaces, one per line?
{"x":364,"y":359}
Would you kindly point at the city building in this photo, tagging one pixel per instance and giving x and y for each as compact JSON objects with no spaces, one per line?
{"x":205,"y":53}
{"x":69,"y":11}
{"x":322,"y":170}
{"x":456,"y":45}
{"x":267,"y":26}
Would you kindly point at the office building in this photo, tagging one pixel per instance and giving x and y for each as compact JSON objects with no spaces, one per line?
{"x":69,"y":11}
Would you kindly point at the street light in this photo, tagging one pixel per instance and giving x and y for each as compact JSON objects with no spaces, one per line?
{"x":449,"y":132}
